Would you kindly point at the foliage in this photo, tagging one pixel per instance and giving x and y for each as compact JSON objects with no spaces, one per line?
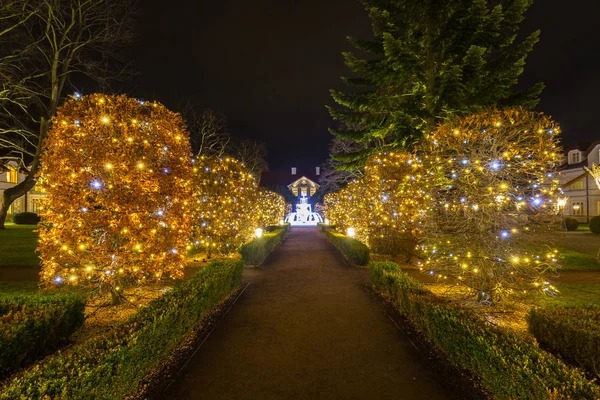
{"x":17,"y":246}
{"x":348,"y":208}
{"x":32,"y":326}
{"x":117,"y":174}
{"x":45,"y":44}
{"x":506,"y":366}
{"x":492,"y":201}
{"x":353,"y":250}
{"x":226,"y":197}
{"x":595,"y":224}
{"x":25,"y":218}
{"x":572,"y":332}
{"x":270,"y":208}
{"x":112,"y":365}
{"x":256,"y":251}
{"x":571,"y":223}
{"x":396,"y":193}
{"x":429,"y":60}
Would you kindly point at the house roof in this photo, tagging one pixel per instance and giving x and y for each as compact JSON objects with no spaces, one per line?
{"x":304,"y":179}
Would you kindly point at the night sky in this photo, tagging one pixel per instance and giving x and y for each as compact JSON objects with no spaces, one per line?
{"x":269,"y":65}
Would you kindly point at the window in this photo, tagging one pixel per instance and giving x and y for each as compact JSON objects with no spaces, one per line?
{"x":35,"y":205}
{"x":12,"y":176}
{"x":577,"y":185}
{"x":293,"y":170}
{"x":575,"y":157}
{"x":577,"y":208}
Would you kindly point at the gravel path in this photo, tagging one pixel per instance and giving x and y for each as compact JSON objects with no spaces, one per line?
{"x":306,"y":328}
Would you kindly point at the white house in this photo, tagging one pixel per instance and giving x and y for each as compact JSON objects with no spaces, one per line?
{"x":578,"y":185}
{"x":9,"y":177}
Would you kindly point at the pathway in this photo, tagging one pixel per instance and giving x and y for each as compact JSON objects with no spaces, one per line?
{"x":305,"y":328}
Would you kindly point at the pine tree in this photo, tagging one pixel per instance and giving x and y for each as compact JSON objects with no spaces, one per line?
{"x":430,"y":59}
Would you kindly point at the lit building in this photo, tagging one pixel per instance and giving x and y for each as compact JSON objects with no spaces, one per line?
{"x":10,"y":175}
{"x":583,"y":195}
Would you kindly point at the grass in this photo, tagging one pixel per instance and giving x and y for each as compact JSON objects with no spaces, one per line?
{"x":572,"y":294}
{"x":575,"y":261}
{"x":17,"y":246}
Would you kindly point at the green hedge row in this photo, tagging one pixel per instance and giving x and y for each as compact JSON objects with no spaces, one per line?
{"x":33,"y":326}
{"x":112,"y":366}
{"x":255,"y":252}
{"x":506,"y":366}
{"x":25,"y":218}
{"x":572,"y":332}
{"x":352,"y":249}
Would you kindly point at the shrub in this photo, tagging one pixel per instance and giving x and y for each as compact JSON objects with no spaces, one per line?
{"x":33,"y":326}
{"x":506,"y":366}
{"x":595,"y":224}
{"x":111,"y":366}
{"x":572,"y":332}
{"x":256,"y":251}
{"x":571,"y":224}
{"x":355,"y":251}
{"x":25,"y":218}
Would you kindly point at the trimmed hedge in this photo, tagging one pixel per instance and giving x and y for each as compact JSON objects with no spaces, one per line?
{"x":571,"y":224}
{"x":352,"y":249}
{"x":33,"y":326}
{"x":256,"y":251}
{"x":505,"y":365}
{"x":111,"y":366}
{"x":595,"y":224}
{"x":25,"y":218}
{"x":572,"y":332}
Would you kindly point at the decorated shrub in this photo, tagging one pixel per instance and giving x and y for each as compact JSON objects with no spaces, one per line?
{"x":571,"y":224}
{"x":118,"y":178}
{"x":225,"y":205}
{"x":491,"y":205}
{"x":270,"y":208}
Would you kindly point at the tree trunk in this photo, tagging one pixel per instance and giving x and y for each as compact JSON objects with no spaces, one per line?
{"x":12,"y":194}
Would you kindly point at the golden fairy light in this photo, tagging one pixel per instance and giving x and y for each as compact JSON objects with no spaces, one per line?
{"x":492,"y":191}
{"x":270,"y":208}
{"x":118,"y":179}
{"x":225,"y":205}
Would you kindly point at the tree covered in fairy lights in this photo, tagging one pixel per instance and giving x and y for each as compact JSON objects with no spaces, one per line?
{"x":348,"y":208}
{"x":225,"y":205}
{"x":118,"y":178}
{"x":270,"y":208}
{"x":492,"y":187}
{"x":396,"y":194}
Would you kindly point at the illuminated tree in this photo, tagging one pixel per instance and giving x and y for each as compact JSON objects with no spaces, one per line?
{"x":270,"y":208}
{"x":347,"y":208}
{"x":225,"y":207}
{"x":396,"y":192}
{"x":492,"y":185}
{"x":118,"y":175}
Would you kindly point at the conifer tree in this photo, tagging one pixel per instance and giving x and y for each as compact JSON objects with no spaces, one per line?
{"x":429,"y":59}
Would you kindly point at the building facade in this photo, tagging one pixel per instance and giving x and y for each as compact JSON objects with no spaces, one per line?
{"x":579,"y":187}
{"x":30,"y":202}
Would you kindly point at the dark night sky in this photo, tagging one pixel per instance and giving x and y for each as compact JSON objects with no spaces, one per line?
{"x":269,"y":65}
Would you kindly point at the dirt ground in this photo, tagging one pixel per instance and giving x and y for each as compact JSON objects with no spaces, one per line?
{"x":306,"y":328}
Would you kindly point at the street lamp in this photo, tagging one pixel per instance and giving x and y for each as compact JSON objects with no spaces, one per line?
{"x":562,"y":202}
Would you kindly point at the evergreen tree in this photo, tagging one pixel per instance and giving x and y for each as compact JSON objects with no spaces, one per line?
{"x":430,"y":59}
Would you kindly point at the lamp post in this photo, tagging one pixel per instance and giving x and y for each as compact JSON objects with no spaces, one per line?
{"x":562,"y":202}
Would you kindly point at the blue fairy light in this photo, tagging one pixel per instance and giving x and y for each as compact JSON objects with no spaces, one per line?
{"x":96,"y":184}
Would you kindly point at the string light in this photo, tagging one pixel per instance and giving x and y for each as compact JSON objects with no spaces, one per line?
{"x":100,"y":213}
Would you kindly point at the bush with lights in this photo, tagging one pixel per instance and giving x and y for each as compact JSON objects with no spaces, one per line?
{"x":270,"y":208}
{"x":348,"y":210}
{"x":118,"y":178}
{"x":493,"y":195}
{"x":225,"y":204}
{"x":396,"y":192}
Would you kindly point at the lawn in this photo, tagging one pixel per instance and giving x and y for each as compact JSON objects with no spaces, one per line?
{"x":573,"y":294}
{"x":17,"y":246}
{"x":575,"y":261}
